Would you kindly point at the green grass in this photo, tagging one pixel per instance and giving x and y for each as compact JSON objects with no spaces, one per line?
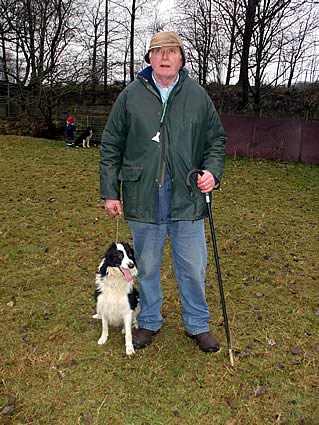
{"x":53,"y":233}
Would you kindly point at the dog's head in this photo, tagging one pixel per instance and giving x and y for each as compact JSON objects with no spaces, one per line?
{"x":119,"y":256}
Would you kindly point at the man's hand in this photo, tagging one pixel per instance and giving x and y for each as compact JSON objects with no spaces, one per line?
{"x":113,"y":207}
{"x":206,"y":182}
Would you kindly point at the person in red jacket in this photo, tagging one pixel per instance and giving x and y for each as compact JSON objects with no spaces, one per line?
{"x":69,"y":132}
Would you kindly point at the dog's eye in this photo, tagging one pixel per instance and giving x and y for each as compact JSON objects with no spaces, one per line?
{"x":120,"y":256}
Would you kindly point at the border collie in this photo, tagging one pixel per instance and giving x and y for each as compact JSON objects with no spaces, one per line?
{"x":84,"y":138}
{"x":117,"y":300}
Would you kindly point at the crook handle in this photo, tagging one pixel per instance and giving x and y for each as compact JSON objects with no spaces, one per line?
{"x":188,"y":179}
{"x":189,"y":183}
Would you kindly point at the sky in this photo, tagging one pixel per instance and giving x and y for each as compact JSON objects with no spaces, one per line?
{"x":166,"y":7}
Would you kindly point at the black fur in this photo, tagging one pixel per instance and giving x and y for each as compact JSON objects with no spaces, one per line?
{"x":117,"y":301}
{"x":96,"y":294}
{"x":134,"y":299}
{"x":86,"y":135}
{"x":113,"y":258}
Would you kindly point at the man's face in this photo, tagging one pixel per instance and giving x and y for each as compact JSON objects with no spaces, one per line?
{"x":166,"y":62}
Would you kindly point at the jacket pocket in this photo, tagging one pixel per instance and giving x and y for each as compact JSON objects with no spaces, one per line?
{"x":131,"y":190}
{"x":130,"y":174}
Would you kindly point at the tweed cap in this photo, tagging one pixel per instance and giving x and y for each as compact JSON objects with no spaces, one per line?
{"x":165,"y":39}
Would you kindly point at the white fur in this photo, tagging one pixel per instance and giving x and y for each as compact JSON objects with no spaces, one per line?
{"x":113,"y":305}
{"x":86,"y":141}
{"x":85,"y":138}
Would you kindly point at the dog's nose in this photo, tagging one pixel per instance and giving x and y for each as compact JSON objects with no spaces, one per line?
{"x":131,"y":265}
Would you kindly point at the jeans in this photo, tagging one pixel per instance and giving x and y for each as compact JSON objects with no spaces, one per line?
{"x":189,"y":259}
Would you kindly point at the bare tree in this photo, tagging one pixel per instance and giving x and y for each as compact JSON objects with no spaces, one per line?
{"x":106,"y":44}
{"x":200,"y":29}
{"x":243,"y":80}
{"x":4,"y":37}
{"x":269,"y":25}
{"x":135,"y":9}
{"x":230,"y":13}
{"x":132,"y":36}
{"x":39,"y":35}
{"x":232,"y":37}
{"x":281,"y":29}
{"x":258,"y":32}
{"x":91,"y":37}
{"x":299,"y":42}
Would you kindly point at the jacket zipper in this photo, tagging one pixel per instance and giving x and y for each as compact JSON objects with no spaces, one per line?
{"x":162,"y":161}
{"x":163,"y":148}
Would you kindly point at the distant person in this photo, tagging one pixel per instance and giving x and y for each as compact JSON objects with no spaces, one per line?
{"x":69,"y":132}
{"x":162,"y":126}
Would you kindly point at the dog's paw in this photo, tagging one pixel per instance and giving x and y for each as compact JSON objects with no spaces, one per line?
{"x":96,"y":316}
{"x":130,"y":350}
{"x":102,"y":340}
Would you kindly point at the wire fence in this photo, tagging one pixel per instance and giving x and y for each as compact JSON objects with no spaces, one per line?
{"x":92,"y":119}
{"x":286,"y":139}
{"x":9,"y":102}
{"x":9,"y":107}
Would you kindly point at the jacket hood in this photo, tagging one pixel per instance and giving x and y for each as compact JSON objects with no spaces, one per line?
{"x":146,"y":74}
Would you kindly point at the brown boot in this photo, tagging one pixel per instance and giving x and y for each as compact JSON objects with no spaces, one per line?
{"x":205,"y":341}
{"x":143,"y":337}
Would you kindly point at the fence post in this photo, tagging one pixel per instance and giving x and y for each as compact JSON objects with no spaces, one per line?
{"x":301,"y":140}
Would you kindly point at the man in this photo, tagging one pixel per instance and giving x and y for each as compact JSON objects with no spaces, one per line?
{"x":162,"y":126}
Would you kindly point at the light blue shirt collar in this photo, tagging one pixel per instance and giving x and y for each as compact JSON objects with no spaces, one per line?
{"x":167,"y":91}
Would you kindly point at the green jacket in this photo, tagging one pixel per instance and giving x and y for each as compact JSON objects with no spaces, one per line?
{"x":142,"y":141}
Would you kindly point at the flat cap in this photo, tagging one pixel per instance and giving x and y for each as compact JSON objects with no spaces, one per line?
{"x":165,"y":39}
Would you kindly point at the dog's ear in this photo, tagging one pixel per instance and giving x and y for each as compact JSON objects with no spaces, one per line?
{"x":111,"y":249}
{"x":102,"y":270}
{"x":129,"y":251}
{"x":113,"y":256}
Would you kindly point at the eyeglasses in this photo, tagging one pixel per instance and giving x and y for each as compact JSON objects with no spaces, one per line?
{"x":169,"y":51}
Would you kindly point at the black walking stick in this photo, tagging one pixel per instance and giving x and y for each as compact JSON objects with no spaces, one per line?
{"x":219,"y":275}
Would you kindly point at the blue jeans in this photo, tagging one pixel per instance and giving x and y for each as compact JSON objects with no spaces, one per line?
{"x":189,"y":260}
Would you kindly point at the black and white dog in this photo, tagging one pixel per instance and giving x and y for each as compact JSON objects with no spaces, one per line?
{"x":84,"y":139}
{"x":117,"y":299}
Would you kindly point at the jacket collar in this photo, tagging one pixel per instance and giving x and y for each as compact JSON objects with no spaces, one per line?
{"x":146,"y":74}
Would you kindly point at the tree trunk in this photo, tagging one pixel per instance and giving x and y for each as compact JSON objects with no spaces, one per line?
{"x":94,"y":79}
{"x":243,"y":80}
{"x":291,"y":72}
{"x":106,"y":36}
{"x":125,"y":63}
{"x":232,"y":44}
{"x":3,"y":59}
{"x":132,"y":73}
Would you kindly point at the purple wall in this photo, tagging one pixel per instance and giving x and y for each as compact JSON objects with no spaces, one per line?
{"x":283,"y":139}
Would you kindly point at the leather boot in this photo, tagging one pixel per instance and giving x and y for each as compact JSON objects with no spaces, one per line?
{"x":143,"y":337}
{"x":205,"y":341}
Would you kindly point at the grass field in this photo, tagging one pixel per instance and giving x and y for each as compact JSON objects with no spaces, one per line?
{"x":53,"y":232}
